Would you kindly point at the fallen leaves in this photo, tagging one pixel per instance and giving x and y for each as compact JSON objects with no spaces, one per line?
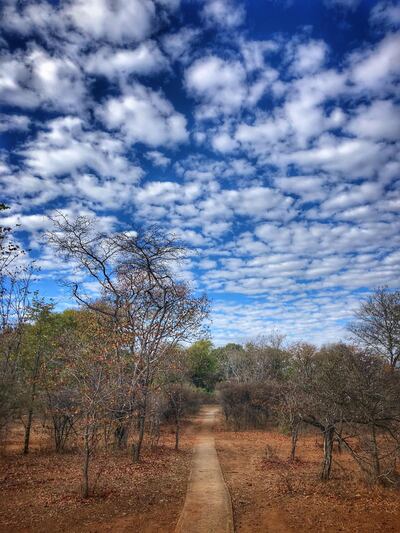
{"x":271,"y":493}
{"x":40,"y":492}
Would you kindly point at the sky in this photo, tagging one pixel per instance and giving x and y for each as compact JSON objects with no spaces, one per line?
{"x":264,"y":134}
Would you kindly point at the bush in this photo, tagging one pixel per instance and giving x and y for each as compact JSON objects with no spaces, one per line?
{"x":247,"y":405}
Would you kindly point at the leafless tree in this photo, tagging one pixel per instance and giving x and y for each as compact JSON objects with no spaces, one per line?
{"x":258,"y":361}
{"x":372,"y":415}
{"x":15,"y":283}
{"x":182,"y":398}
{"x":321,"y":382}
{"x":151,"y":310}
{"x":377,"y":325}
{"x":289,"y":406}
{"x":352,"y":396}
{"x":62,"y":406}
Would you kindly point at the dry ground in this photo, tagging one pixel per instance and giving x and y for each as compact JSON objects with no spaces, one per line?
{"x":275,"y":496}
{"x":40,"y":492}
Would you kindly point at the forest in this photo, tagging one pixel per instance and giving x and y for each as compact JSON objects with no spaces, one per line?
{"x":122,"y":372}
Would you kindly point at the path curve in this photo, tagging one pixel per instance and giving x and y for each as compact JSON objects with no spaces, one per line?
{"x":208,"y":507}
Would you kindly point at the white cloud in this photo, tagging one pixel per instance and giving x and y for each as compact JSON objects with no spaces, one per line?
{"x":306,"y":119}
{"x":260,"y":202}
{"x":315,"y":240}
{"x":67,"y":160}
{"x":14,"y":122}
{"x":380,"y":120}
{"x":223,"y":142}
{"x":303,"y":108}
{"x":37,"y":223}
{"x":297,"y":317}
{"x":30,"y":17}
{"x":57,"y":80}
{"x":227,"y":86}
{"x":32,"y":223}
{"x":192,"y":205}
{"x":308,"y":188}
{"x":268,"y":130}
{"x":217,"y":82}
{"x":158,"y":159}
{"x":143,"y":115}
{"x":165,"y":193}
{"x":224,"y":13}
{"x":117,"y":22}
{"x":352,"y":156}
{"x":254,"y":53}
{"x":309,"y":57}
{"x":353,"y":195}
{"x":178,"y":45}
{"x":145,"y":59}
{"x":14,"y":77}
{"x":301,"y":116}
{"x":377,"y":68}
{"x":39,"y":78}
{"x":65,"y":146}
{"x":386,"y":14}
{"x":82,"y":21}
{"x":207,"y":264}
{"x":17,"y":186}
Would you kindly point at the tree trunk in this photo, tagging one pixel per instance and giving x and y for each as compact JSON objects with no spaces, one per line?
{"x":32,"y":399}
{"x":339,"y":437}
{"x":295,"y":436}
{"x":62,"y":425}
{"x":375,"y":453}
{"x":28,"y":431}
{"x":86,"y":462}
{"x":121,"y":435}
{"x":137,"y":447}
{"x":328,"y":448}
{"x":177,"y":428}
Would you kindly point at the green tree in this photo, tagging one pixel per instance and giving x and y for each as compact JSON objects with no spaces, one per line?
{"x":204,"y":367}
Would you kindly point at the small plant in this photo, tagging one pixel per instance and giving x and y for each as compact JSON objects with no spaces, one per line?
{"x":271,"y":454}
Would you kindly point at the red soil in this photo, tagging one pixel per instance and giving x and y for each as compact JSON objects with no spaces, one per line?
{"x":271,"y":495}
{"x":40,"y":492}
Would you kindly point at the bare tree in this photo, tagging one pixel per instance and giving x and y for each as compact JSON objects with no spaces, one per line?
{"x":377,"y":325}
{"x":182,"y":397}
{"x":321,"y":381}
{"x":260,"y":360}
{"x":150,"y":309}
{"x":289,"y":407}
{"x":372,"y":415}
{"x":15,"y":282}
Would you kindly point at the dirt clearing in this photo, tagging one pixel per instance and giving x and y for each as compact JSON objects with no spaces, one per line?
{"x":269,"y":494}
{"x":40,"y":492}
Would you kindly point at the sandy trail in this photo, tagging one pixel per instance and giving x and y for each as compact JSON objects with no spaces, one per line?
{"x":208,"y":507}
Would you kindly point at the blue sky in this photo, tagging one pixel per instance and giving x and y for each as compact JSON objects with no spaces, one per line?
{"x":265,"y":134}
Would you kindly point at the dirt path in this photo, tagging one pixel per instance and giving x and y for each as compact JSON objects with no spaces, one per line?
{"x":207,"y":506}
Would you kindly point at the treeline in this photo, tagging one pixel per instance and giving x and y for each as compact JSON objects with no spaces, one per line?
{"x":112,"y":369}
